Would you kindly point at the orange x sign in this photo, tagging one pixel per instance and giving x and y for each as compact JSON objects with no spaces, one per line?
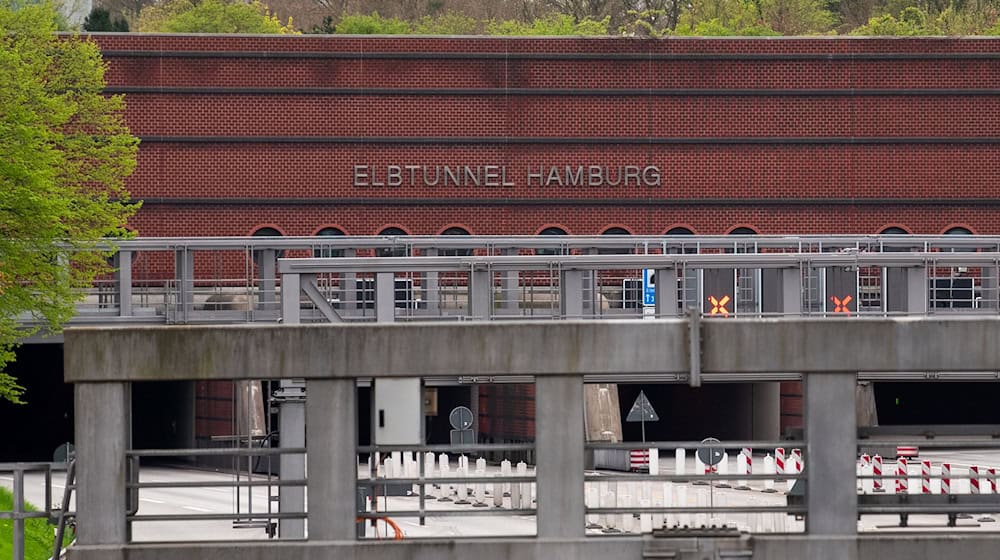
{"x":719,"y":306}
{"x":840,"y":305}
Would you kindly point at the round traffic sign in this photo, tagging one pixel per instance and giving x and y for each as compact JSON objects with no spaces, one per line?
{"x":460,"y":418}
{"x":710,"y":455}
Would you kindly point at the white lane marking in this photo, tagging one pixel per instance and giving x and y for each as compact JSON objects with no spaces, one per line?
{"x":11,"y":478}
{"x":195,"y":508}
{"x":219,"y":490}
{"x":151,"y":500}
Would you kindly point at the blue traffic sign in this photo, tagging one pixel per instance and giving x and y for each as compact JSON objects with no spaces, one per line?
{"x":648,"y":286}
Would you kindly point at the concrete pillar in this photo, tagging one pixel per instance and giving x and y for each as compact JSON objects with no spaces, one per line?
{"x":431,"y":297}
{"x":571,"y":294}
{"x":124,"y":278}
{"x":831,"y":437}
{"x":331,"y":415}
{"x":385,"y":297}
{"x":560,"y":456}
{"x":665,"y":285}
{"x":480,"y":295}
{"x":103,"y":434}
{"x":267,"y":286}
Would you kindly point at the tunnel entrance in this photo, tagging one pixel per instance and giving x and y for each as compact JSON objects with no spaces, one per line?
{"x":937,"y":403}
{"x":720,"y":410}
{"x":163,"y":415}
{"x":35,"y":429}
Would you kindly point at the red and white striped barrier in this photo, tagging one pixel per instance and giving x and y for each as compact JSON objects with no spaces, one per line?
{"x":866,"y":470}
{"x":877,"y":472}
{"x":991,"y":476}
{"x":638,"y":459}
{"x":779,"y":461}
{"x":902,"y":483}
{"x":797,"y":460}
{"x":946,"y":478}
{"x":974,"y":480}
{"x":907,"y":451}
{"x":925,"y":477}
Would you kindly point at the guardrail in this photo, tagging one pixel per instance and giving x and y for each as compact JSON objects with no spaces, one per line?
{"x":236,"y":280}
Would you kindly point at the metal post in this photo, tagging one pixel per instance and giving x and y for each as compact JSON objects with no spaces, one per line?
{"x":18,"y":512}
{"x":665,"y":285}
{"x":290,"y":293}
{"x":102,"y":427}
{"x":916,"y":290}
{"x":431,"y":288}
{"x":481,"y":295}
{"x":268,"y":296}
{"x":332,"y":444}
{"x":831,"y":436}
{"x":385,"y":297}
{"x":571,"y":294}
{"x":292,"y":423}
{"x":559,"y":450}
{"x":510,"y":296}
{"x":124,"y":276}
{"x":348,"y":286}
{"x":184,"y":270}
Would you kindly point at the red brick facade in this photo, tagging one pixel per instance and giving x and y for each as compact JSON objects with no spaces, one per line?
{"x":783,"y":135}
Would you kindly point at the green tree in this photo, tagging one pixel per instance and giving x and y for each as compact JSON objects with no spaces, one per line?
{"x":911,"y":21}
{"x":448,"y":23}
{"x":211,"y":16}
{"x":64,"y":154}
{"x":550,"y":25}
{"x":371,"y":24}
{"x":100,"y":20}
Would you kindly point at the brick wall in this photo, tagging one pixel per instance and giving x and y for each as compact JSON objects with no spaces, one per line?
{"x":790,"y":135}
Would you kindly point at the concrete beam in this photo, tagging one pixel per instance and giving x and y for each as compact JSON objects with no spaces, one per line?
{"x":607,"y":348}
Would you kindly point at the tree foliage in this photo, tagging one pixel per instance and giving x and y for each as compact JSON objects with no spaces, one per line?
{"x":211,"y":16}
{"x":553,"y":24}
{"x":371,"y":24}
{"x":100,"y":20}
{"x":64,"y":154}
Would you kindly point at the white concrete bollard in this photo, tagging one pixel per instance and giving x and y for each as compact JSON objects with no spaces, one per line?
{"x":515,"y":496}
{"x":680,"y":460}
{"x":741,"y":469}
{"x":769,"y":470}
{"x":702,"y":500}
{"x":608,"y":500}
{"x":462,"y":488}
{"x":522,"y":470}
{"x":654,"y":461}
{"x":724,"y":470}
{"x":446,"y":488}
{"x":668,"y":501}
{"x":443,"y":461}
{"x":627,"y":520}
{"x":683,"y":519}
{"x":498,"y":493}
{"x":592,"y":498}
{"x":645,"y":519}
{"x":505,"y":471}
{"x":480,"y":487}
{"x":397,"y":463}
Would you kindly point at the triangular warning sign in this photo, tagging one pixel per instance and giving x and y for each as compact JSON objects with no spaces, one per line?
{"x":642,"y":410}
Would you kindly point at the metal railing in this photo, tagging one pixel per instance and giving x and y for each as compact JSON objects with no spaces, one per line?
{"x":236,"y":280}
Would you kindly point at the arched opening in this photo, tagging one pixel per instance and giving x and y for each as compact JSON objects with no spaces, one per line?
{"x":551,"y":231}
{"x":455,"y":252}
{"x":322,"y":252}
{"x":395,"y":251}
{"x":615,"y":250}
